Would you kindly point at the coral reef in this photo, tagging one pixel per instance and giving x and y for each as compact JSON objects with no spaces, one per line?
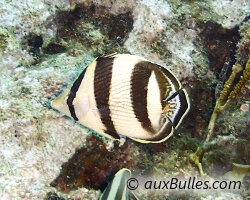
{"x":92,"y":166}
{"x":243,"y":46}
{"x":227,"y":95}
{"x":223,"y":102}
{"x":219,"y":43}
{"x":44,"y":45}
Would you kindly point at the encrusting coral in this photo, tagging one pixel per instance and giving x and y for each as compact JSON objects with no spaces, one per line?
{"x":226,"y":97}
{"x":91,"y":166}
{"x":222,"y":103}
{"x":45,"y":43}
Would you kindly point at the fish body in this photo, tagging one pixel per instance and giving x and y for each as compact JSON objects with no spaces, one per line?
{"x":124,"y":94}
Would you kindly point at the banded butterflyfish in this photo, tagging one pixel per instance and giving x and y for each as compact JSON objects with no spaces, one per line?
{"x":123,"y":94}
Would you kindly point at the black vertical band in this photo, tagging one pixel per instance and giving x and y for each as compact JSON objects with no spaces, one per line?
{"x":72,"y":94}
{"x":102,"y":83}
{"x":139,"y":88}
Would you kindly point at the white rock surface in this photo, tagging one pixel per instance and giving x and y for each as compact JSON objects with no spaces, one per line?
{"x":34,"y":140}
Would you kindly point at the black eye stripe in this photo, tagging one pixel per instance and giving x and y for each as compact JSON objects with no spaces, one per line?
{"x":173,"y":95}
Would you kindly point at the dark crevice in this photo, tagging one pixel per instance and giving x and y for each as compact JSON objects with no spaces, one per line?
{"x":115,"y":27}
{"x":33,"y":44}
{"x":220,"y":44}
{"x":80,"y":26}
{"x":54,"y":48}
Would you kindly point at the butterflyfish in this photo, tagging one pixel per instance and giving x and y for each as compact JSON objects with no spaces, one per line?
{"x":123,"y":94}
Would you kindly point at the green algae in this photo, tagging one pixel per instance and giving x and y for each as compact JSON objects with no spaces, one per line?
{"x":159,"y":47}
{"x":202,"y":11}
{"x":202,"y":68}
{"x":3,"y":42}
{"x":8,"y":39}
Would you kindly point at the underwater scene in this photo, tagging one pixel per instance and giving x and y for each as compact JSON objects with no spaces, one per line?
{"x":124,"y":99}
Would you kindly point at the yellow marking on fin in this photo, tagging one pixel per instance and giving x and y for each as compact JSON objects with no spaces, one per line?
{"x":110,"y":55}
{"x":108,"y":136}
{"x":60,"y":102}
{"x":62,"y":97}
{"x":165,"y":109}
{"x":148,"y":141}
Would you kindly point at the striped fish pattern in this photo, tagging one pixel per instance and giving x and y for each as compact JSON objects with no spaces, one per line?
{"x":126,"y":95}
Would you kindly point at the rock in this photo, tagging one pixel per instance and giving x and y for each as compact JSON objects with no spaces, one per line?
{"x":45,"y":44}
